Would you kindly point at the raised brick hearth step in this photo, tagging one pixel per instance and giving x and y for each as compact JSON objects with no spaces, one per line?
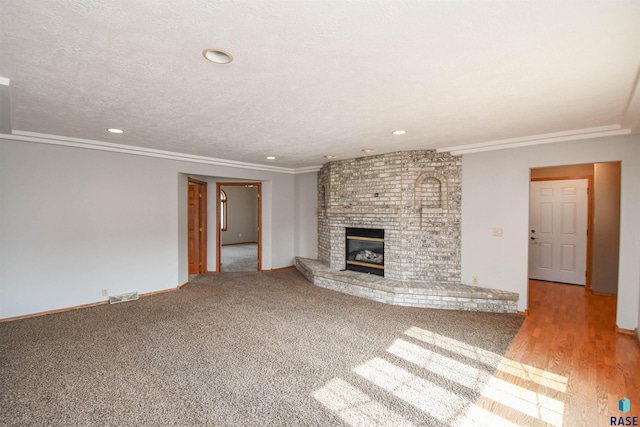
{"x":450,"y":296}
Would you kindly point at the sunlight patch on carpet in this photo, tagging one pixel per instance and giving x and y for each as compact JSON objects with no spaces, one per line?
{"x":532,"y":404}
{"x":463,"y":374}
{"x":430,"y":398}
{"x":449,"y":404}
{"x":355,"y":407}
{"x":474,"y":353}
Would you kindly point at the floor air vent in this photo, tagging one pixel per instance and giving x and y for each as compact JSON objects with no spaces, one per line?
{"x":131,"y":296}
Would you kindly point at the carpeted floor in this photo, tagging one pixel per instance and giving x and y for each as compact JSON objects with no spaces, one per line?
{"x":248,"y":349}
{"x":241,"y":257}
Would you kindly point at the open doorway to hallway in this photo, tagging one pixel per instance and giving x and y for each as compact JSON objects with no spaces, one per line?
{"x":239,"y":241}
{"x":571,"y":234}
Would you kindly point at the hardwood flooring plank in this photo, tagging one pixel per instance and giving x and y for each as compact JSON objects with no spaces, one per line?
{"x":572,"y":359}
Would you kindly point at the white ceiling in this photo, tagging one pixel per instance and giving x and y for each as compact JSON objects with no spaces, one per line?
{"x":311,"y":78}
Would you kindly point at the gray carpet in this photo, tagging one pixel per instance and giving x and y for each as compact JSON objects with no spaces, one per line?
{"x":248,"y":349}
{"x":241,"y":257}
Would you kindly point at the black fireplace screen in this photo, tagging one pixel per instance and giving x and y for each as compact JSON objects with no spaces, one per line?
{"x":365,"y":250}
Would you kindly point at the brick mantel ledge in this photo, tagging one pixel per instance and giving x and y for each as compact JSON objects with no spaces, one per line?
{"x":360,"y":210}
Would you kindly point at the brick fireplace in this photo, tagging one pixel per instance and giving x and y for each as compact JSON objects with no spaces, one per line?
{"x":414,"y":199}
{"x":413,"y":196}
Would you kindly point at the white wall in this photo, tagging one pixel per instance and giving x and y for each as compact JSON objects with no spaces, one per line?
{"x":495,"y":193}
{"x":74,"y":221}
{"x":306,"y":215}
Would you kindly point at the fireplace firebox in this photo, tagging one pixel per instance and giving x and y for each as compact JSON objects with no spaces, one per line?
{"x":365,"y":250}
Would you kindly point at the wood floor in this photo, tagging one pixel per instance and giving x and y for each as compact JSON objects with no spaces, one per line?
{"x":567,"y":366}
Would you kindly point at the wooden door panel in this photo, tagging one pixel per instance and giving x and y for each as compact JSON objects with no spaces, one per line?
{"x":193,"y":230}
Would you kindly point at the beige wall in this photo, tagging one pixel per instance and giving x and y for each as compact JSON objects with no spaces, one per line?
{"x":242,"y":215}
{"x":306,"y":214}
{"x":606,"y":228}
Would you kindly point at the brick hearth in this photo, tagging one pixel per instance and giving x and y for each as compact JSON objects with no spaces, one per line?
{"x":450,"y":296}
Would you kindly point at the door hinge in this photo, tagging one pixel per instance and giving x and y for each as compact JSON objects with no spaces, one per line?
{"x":201,"y":229}
{"x":200,"y":195}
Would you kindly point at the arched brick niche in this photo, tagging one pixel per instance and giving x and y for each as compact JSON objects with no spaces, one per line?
{"x":431,"y":192}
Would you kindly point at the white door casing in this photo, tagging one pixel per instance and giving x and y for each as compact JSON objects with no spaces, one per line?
{"x":558,"y":213}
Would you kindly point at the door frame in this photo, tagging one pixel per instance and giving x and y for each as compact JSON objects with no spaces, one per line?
{"x":589,"y":217}
{"x":219,"y":232}
{"x":202,"y":219}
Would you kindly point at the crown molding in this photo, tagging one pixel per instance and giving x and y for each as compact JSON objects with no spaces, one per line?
{"x":141,"y":151}
{"x":307,"y":169}
{"x":546,"y":138}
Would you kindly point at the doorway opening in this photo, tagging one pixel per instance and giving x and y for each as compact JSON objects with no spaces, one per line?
{"x":197,"y":226}
{"x":239,"y":227}
{"x":558,"y":216}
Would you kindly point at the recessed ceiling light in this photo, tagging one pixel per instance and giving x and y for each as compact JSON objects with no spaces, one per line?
{"x":329,"y":156}
{"x":399,"y":132}
{"x":114,"y":130}
{"x":218,"y":56}
{"x":368,"y":150}
{"x":270,"y":158}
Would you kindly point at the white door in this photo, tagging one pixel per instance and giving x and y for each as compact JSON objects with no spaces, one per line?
{"x":558,"y":231}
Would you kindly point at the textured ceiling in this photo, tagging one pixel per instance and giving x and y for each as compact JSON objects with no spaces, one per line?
{"x":311,"y":78}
